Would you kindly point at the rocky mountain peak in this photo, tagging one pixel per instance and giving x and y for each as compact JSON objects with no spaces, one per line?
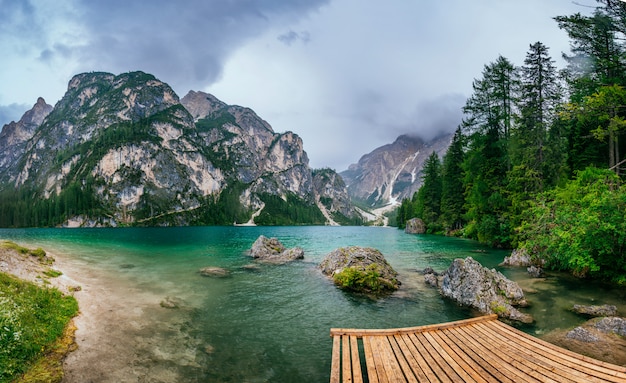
{"x":201,"y":104}
{"x":393,"y":171}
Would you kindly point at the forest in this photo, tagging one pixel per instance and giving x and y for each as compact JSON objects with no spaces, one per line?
{"x":537,"y":163}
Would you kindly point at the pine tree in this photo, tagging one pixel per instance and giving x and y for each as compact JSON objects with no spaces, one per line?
{"x":428,"y":206}
{"x":452,"y":196}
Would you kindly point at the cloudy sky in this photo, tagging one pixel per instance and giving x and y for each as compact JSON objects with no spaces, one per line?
{"x":346,"y":75}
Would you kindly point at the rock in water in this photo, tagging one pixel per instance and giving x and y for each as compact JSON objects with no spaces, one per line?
{"x":212,"y":271}
{"x":470,"y":284}
{"x":596,"y":311}
{"x":519,"y":258}
{"x":360,"y":269}
{"x":272,"y":250}
{"x":415,"y":226}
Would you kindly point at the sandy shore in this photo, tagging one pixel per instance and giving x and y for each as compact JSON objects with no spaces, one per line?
{"x":123,"y":334}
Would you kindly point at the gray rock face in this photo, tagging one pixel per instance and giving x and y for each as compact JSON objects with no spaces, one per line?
{"x":415,"y":226}
{"x":595,"y":311}
{"x":615,"y":325}
{"x":360,"y":259}
{"x":470,"y":284}
{"x":15,"y":134}
{"x":518,"y":258}
{"x":272,"y":250}
{"x":393,"y":170}
{"x":582,"y":334}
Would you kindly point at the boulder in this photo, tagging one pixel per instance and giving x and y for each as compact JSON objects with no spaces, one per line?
{"x":487,"y":290}
{"x":519,"y":258}
{"x":611,"y":325}
{"x":360,"y":269}
{"x":581,"y":334}
{"x":534,"y":271}
{"x":595,"y":311}
{"x":272,"y":250}
{"x":415,"y":226}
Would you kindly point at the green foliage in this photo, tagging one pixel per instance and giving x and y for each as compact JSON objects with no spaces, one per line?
{"x":368,"y":280}
{"x":31,"y":318}
{"x":215,"y":121}
{"x":580,"y":228}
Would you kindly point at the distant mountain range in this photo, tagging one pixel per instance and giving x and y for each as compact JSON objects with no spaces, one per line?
{"x":392,"y":172}
{"x":125,"y":150}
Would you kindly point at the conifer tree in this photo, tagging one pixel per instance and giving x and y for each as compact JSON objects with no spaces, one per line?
{"x":452,"y":197}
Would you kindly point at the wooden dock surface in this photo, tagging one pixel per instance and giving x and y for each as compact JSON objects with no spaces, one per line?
{"x":480,"y":349}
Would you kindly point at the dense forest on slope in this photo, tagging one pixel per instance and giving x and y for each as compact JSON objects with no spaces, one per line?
{"x":536,"y":163}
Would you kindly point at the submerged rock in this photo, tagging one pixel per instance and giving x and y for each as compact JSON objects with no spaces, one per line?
{"x":415,"y":226}
{"x":360,"y":269}
{"x":213,"y":271}
{"x":272,"y":250}
{"x":595,"y":311}
{"x":172,"y":303}
{"x":487,"y":290}
{"x":534,"y":271}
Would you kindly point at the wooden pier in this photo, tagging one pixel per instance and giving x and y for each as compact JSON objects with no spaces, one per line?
{"x":480,"y":349}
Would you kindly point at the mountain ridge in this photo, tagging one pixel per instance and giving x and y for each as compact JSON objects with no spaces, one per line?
{"x":125,"y":150}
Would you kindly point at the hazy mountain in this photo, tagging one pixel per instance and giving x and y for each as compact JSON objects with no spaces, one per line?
{"x":393,"y":171}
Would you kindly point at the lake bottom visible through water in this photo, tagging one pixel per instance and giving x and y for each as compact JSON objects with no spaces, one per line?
{"x":264,"y":322}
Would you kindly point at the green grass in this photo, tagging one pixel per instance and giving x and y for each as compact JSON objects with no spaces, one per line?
{"x":38,"y":252}
{"x":32,"y":318}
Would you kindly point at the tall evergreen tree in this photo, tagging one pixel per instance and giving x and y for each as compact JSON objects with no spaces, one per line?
{"x":452,"y":196}
{"x":428,"y":206}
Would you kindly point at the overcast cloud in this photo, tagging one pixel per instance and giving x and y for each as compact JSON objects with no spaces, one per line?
{"x":346,"y":75}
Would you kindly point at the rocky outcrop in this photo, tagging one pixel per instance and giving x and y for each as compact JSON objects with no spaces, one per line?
{"x":518,"y":258}
{"x":360,"y":269}
{"x":595,"y":311}
{"x":133,"y":153}
{"x":470,"y":284}
{"x":272,"y":250}
{"x":599,"y":338}
{"x":521,"y":258}
{"x":332,"y":197}
{"x":415,"y":226}
{"x":13,"y":136}
{"x":393,"y":171}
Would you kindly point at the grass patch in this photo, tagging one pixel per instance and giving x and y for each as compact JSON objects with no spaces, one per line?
{"x":39,"y":253}
{"x":32,"y":319}
{"x":52,"y":273}
{"x":367,"y":281}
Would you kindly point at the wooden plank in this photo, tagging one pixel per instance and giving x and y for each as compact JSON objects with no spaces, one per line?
{"x":504,"y":351}
{"x":477,"y":373}
{"x":449,"y":360}
{"x":599,"y":369}
{"x":487,"y":359}
{"x":420,"y":367}
{"x":335,"y":367}
{"x":383,"y":374}
{"x":370,"y":361}
{"x":446,"y":373}
{"x":346,"y":366}
{"x":404,"y":365}
{"x":548,"y":360}
{"x":409,"y":330}
{"x":357,"y":375}
{"x":523,"y":358}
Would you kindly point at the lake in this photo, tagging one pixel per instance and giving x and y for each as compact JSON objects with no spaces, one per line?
{"x":265,"y":323}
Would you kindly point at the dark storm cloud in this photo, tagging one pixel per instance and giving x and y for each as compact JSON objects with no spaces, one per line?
{"x":183,"y":43}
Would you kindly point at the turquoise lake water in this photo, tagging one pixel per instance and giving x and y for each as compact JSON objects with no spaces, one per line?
{"x":271,"y":323}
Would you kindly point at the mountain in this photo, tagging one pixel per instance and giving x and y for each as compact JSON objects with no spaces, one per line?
{"x":392,"y":172}
{"x":125,"y":150}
